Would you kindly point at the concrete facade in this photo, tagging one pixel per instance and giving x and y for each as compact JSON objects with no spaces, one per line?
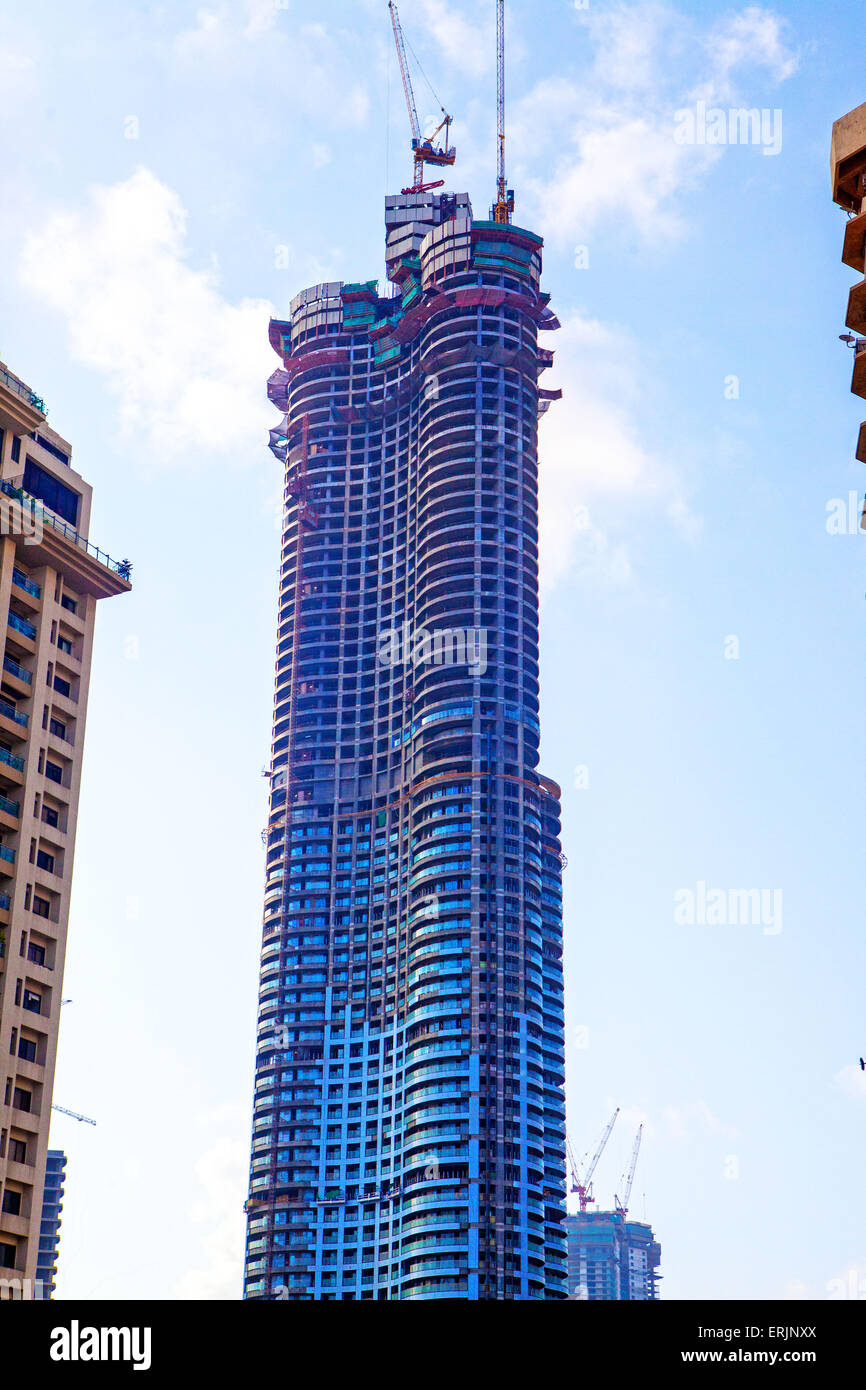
{"x":51,"y":578}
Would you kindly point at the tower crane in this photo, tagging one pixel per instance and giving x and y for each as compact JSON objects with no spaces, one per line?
{"x":584,"y":1188}
{"x":424,"y":150}
{"x":628,"y":1178}
{"x":73,"y":1116}
{"x":504,"y":205}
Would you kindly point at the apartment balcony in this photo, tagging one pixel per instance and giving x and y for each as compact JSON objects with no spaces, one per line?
{"x":7,"y":860}
{"x":17,"y":676}
{"x":23,"y":633}
{"x":10,"y":812}
{"x":11,"y":767}
{"x":858,"y":382}
{"x":856,"y":316}
{"x":27,"y":591}
{"x":21,"y":410}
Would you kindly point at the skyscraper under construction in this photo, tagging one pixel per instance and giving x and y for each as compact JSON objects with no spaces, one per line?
{"x":408,"y":1129}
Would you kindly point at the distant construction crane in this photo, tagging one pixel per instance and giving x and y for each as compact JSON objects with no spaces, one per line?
{"x":423,"y":149}
{"x":628,"y":1178}
{"x":504,"y":205}
{"x":583,"y":1187}
{"x":73,"y":1115}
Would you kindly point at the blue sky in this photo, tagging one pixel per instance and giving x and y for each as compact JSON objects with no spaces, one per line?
{"x":174,"y":173}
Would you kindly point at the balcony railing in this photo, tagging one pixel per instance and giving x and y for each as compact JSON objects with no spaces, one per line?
{"x":20,"y":389}
{"x":7,"y":854}
{"x":30,"y":585}
{"x":123,"y":568}
{"x":12,"y":808}
{"x":15,"y":670}
{"x":9,"y":711}
{"x":21,"y":625}
{"x":11,"y":760}
{"x":5,"y":901}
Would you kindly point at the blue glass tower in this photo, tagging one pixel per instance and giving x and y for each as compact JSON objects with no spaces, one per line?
{"x":49,"y":1228}
{"x":408,"y":1129}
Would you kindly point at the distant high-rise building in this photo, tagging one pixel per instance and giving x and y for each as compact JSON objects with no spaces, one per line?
{"x":49,"y":1231}
{"x":51,"y":578}
{"x":848,"y":167}
{"x":409,"y":1132}
{"x":611,"y":1258}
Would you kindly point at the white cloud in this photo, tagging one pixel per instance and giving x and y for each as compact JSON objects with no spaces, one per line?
{"x":754,"y":38}
{"x":620,"y":166}
{"x":319,"y":69}
{"x":222,"y":1173}
{"x":186,"y":366}
{"x":631,"y":42}
{"x":677,"y":1122}
{"x":595,"y":471}
{"x":467,"y":41}
{"x":261,"y":16}
{"x":852,"y":1080}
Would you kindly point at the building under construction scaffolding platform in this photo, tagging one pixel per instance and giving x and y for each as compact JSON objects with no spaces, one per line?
{"x":611,"y":1258}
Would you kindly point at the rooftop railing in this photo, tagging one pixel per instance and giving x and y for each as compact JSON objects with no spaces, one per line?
{"x":123,"y":568}
{"x":21,"y":389}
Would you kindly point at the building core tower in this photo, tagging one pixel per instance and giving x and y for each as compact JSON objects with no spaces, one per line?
{"x":408,"y":1129}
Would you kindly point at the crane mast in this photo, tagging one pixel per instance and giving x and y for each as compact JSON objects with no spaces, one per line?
{"x":423,"y":149}
{"x":504,"y":205}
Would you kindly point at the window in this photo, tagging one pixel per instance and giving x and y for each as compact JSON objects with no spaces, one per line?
{"x":51,"y":491}
{"x":53,"y":771}
{"x":7,"y":1251}
{"x":57,"y":727}
{"x":12,"y":1203}
{"x":32,"y":1002}
{"x":22,"y":1100}
{"x":62,"y":686}
{"x":51,"y":816}
{"x":45,"y":860}
{"x":35,"y":953}
{"x":41,"y":906}
{"x":27,"y":1050}
{"x":65,"y":645}
{"x":69,"y":604}
{"x":17,"y":1151}
{"x":52,"y":448}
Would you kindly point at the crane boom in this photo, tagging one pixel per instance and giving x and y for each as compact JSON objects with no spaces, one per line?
{"x":622,"y":1206}
{"x":584,"y":1188}
{"x":73,"y":1115}
{"x":404,"y":71}
{"x":423,"y":149}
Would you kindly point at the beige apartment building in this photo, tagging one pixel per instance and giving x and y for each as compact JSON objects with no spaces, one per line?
{"x":51,"y":578}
